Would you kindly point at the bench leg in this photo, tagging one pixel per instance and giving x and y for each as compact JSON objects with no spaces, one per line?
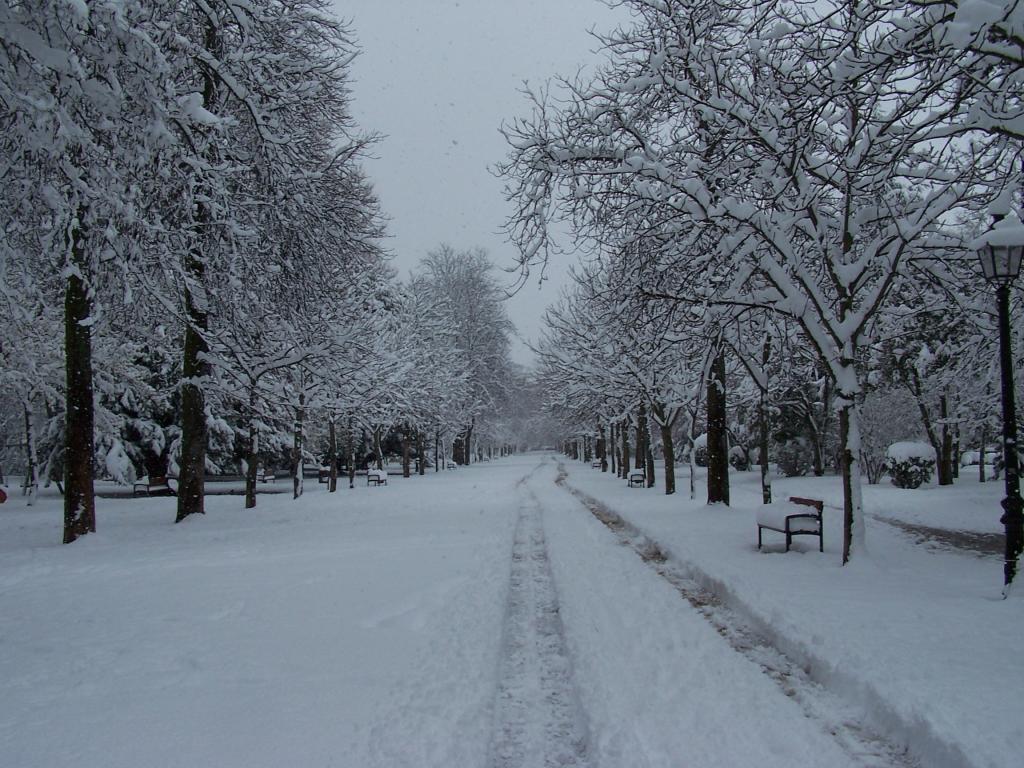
{"x":759,"y":537}
{"x":789,"y":540}
{"x":821,"y":541}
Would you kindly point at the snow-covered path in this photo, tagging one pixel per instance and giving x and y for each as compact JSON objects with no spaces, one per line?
{"x":538,"y":720}
{"x":659,"y":684}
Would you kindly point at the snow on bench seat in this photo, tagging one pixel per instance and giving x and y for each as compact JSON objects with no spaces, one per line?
{"x":797,"y":517}
{"x":376,"y":477}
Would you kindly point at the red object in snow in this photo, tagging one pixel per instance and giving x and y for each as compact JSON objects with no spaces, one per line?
{"x":3,"y":496}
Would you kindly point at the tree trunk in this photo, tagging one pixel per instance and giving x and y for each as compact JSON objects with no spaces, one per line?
{"x":437,"y":452}
{"x":31,"y":484}
{"x":853,"y":505}
{"x":405,"y":451}
{"x":252,"y":452}
{"x":377,"y":450}
{"x":195,"y":369}
{"x":602,"y":447}
{"x":693,"y":452}
{"x":615,"y":447}
{"x":766,"y":483}
{"x":981,"y":462}
{"x":718,"y":439}
{"x":624,"y":465}
{"x":469,"y":441}
{"x":79,"y":498}
{"x":641,"y":436}
{"x":667,"y":445}
{"x":814,"y":433}
{"x":297,"y":446}
{"x":945,"y":452}
{"x":421,"y":453}
{"x":648,"y":453}
{"x":351,"y":455}
{"x":332,"y":483}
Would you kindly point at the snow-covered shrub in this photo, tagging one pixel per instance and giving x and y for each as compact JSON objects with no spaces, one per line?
{"x":794,"y":457}
{"x":886,"y":416}
{"x":910,"y":463}
{"x":700,"y":450}
{"x":738,"y":459}
{"x":117,"y":463}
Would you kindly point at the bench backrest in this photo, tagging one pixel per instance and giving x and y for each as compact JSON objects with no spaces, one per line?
{"x":818,"y":504}
{"x":161,"y":480}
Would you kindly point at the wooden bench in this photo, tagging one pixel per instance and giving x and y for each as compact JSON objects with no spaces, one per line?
{"x":800,"y":517}
{"x":596,"y":464}
{"x":637,"y":478}
{"x":263,"y":476}
{"x":376,"y":477}
{"x":323,"y":475}
{"x":153,"y":486}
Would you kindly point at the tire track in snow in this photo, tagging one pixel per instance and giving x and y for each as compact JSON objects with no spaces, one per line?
{"x":841,"y":719}
{"x":538,"y":719}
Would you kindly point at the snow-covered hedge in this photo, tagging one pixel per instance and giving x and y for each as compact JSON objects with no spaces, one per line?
{"x":738,"y":459}
{"x":700,"y":450}
{"x":910,"y":463}
{"x":794,"y":457}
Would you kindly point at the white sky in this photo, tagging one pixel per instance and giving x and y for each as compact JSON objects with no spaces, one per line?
{"x":438,"y":78}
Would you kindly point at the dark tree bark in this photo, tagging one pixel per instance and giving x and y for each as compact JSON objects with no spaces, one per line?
{"x":406,"y":453}
{"x":351,"y":456}
{"x":297,"y":446}
{"x":667,"y":445}
{"x":649,"y":459}
{"x":846,"y":465}
{"x":945,"y":452}
{"x":421,"y":469}
{"x":615,"y":447}
{"x":252,"y":451}
{"x":332,"y":484}
{"x":602,"y":447}
{"x":30,"y":486}
{"x":195,"y":369}
{"x":79,"y":498}
{"x":641,"y":436}
{"x":718,"y":439}
{"x":377,"y":450}
{"x":624,"y":465}
{"x":981,"y":461}
{"x":766,"y":484}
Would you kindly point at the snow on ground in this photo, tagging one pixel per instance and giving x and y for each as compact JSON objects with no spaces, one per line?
{"x":484,"y":618}
{"x":917,"y":637}
{"x":355,"y":629}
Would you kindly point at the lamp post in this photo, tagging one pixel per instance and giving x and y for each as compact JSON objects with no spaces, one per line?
{"x":1000,"y":251}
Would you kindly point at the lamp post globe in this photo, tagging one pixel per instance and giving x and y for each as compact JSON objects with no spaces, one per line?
{"x":1000,"y":251}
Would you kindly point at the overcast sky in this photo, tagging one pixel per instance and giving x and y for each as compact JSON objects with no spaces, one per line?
{"x":437,"y":78}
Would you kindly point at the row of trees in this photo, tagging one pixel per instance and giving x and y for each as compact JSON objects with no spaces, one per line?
{"x":190,"y":262}
{"x":780,"y":194}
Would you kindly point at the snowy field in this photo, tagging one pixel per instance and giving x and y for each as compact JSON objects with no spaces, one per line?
{"x":485,"y":617}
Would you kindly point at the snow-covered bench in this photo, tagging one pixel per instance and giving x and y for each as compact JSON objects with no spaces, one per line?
{"x":799,"y":517}
{"x":376,"y":477}
{"x":153,"y":486}
{"x":637,"y":478}
{"x":596,"y":464}
{"x":264,"y":476}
